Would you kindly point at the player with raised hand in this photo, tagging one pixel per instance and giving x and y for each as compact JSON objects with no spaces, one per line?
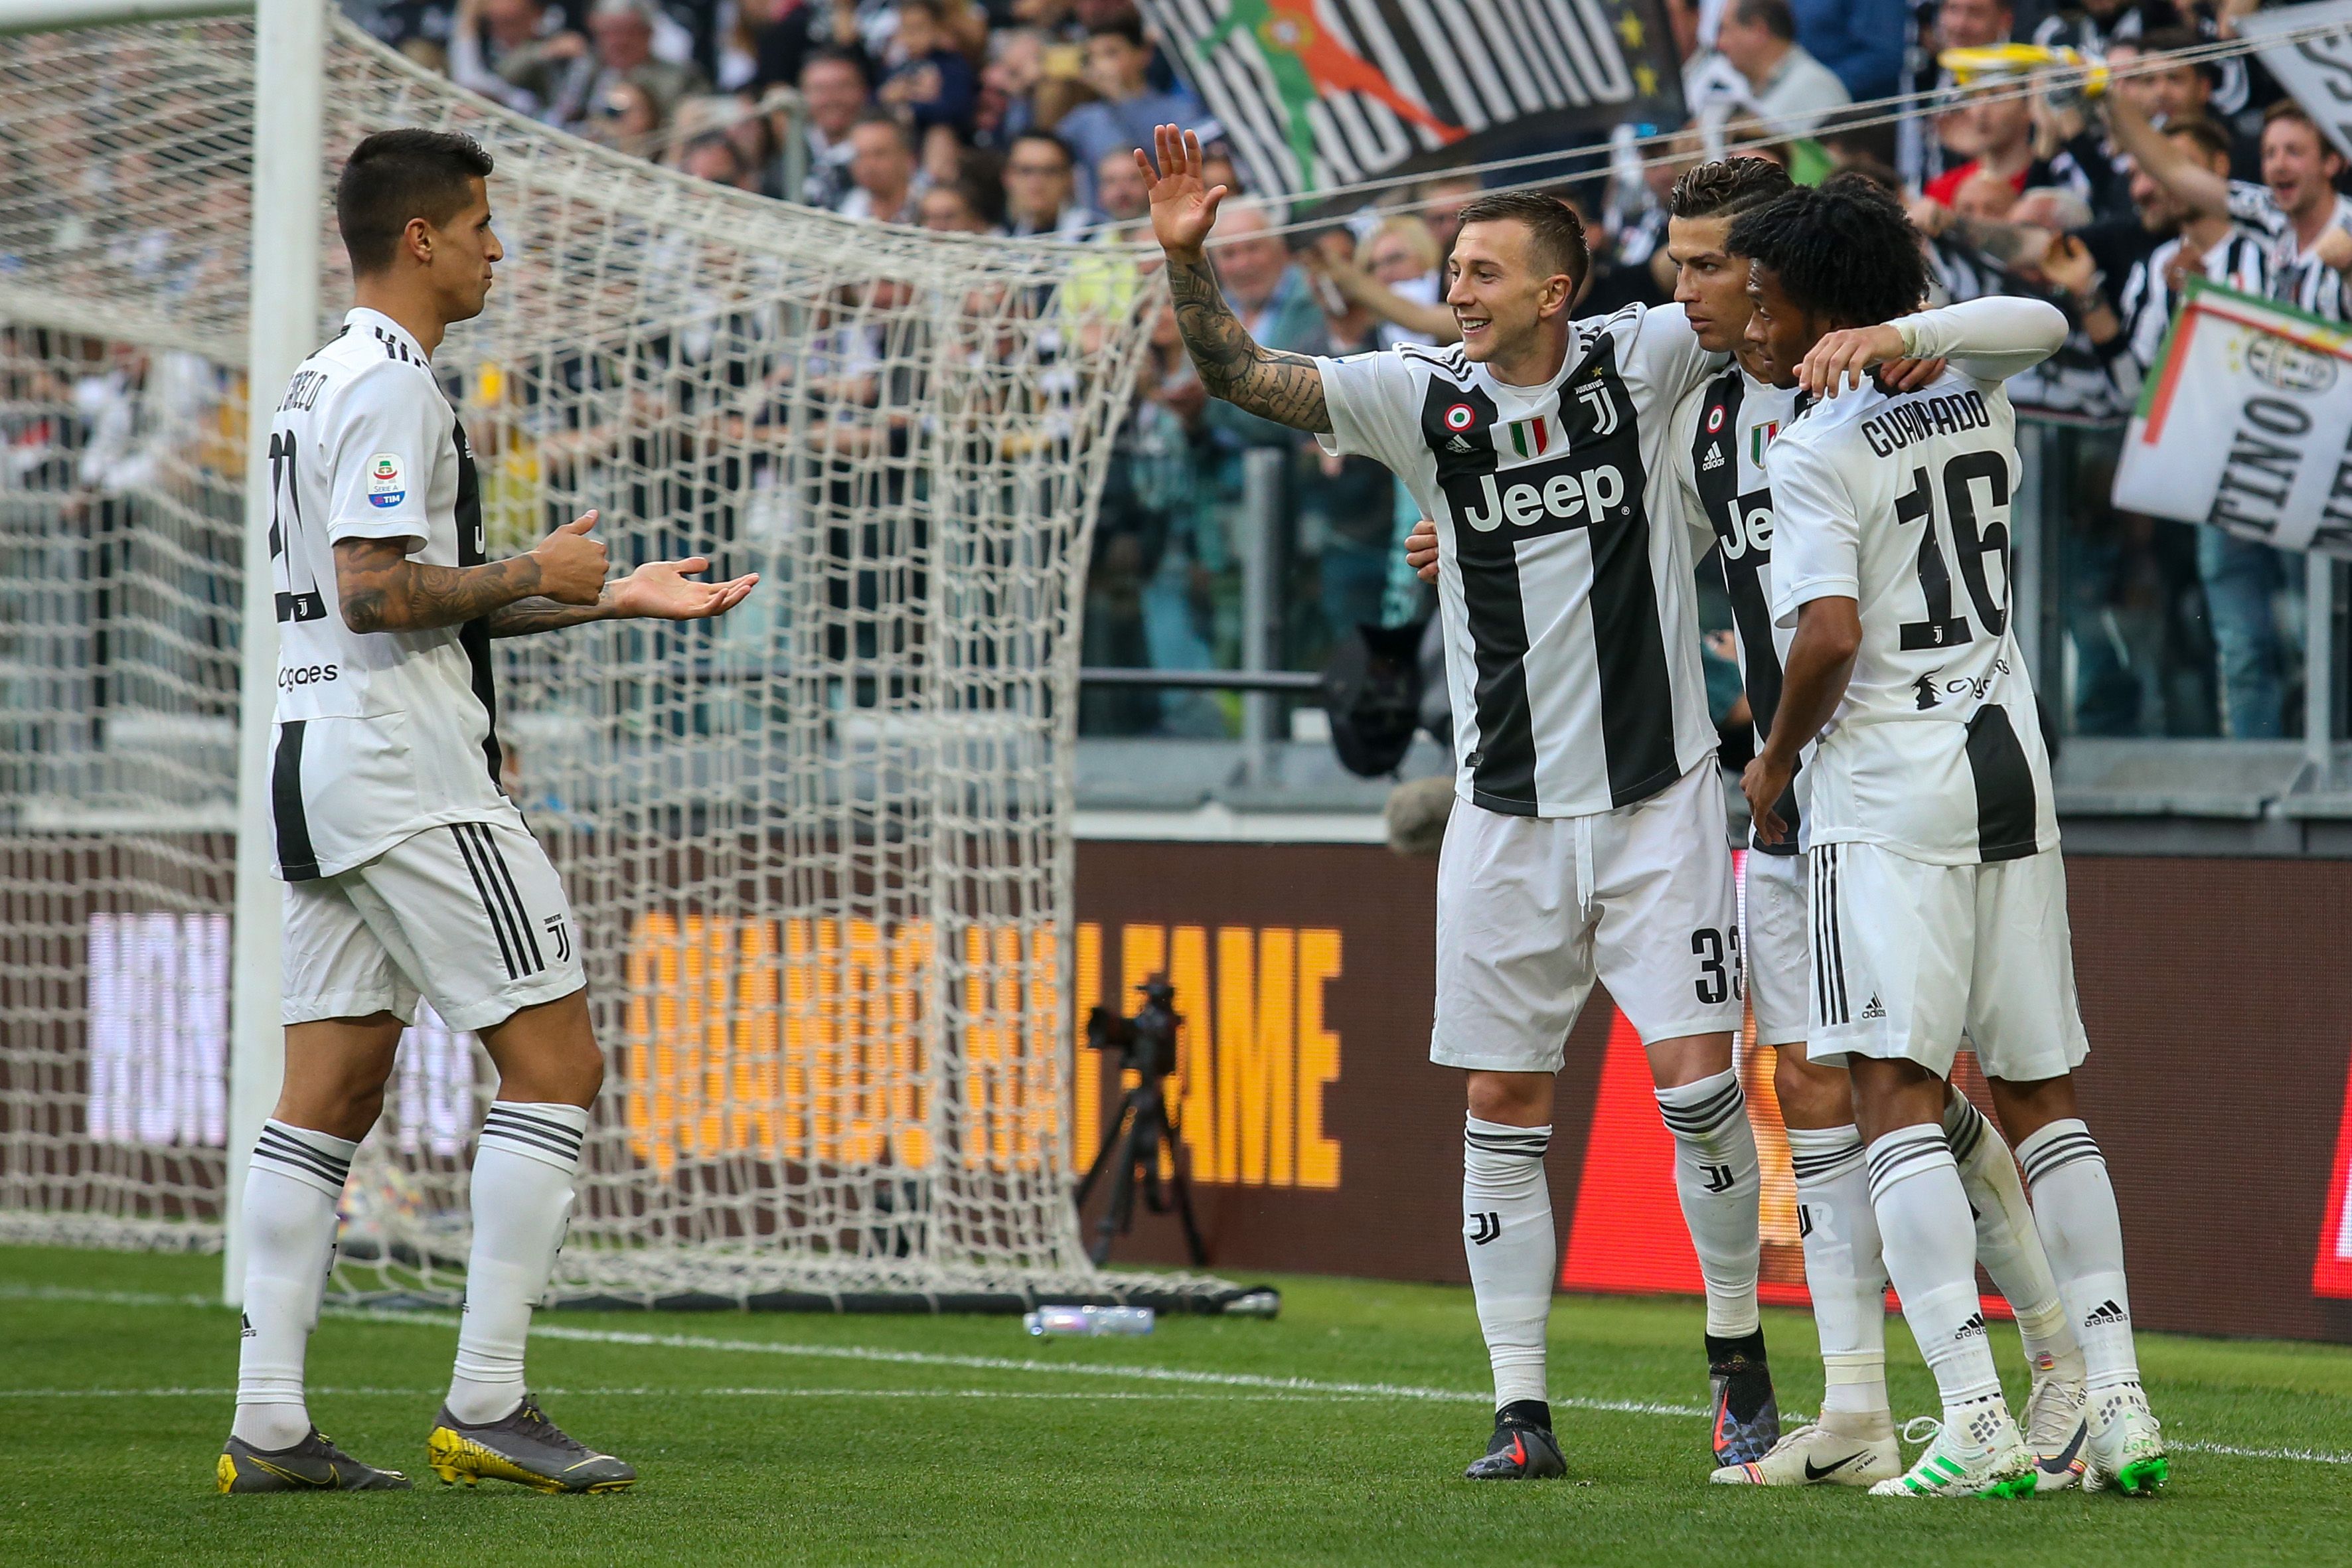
{"x":1591,"y":838}
{"x":1939,"y":901}
{"x":407,"y":870}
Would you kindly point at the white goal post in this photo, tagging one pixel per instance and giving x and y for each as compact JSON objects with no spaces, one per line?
{"x":819,"y":851}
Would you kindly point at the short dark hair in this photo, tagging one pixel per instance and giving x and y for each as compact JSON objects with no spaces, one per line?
{"x":1775,"y":15}
{"x":1844,"y":251}
{"x":2288,"y":108}
{"x":831,"y":54}
{"x":1727,"y":187}
{"x":1127,"y":26}
{"x":395,"y":175}
{"x":1558,"y":232}
{"x":1039,"y":133}
{"x":2171,"y":41}
{"x":878,"y":116}
{"x":2210,"y":138}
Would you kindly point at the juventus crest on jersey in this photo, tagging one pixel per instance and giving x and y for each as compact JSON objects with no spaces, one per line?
{"x":379,"y":734}
{"x":1902,"y":502}
{"x":1722,"y":433}
{"x":1571,"y":644}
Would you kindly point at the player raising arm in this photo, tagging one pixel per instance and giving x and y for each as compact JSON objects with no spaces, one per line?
{"x":1590,"y":840}
{"x":407,"y":870}
{"x":1939,"y":899}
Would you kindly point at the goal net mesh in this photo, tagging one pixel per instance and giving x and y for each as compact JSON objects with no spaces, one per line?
{"x":818,"y":851}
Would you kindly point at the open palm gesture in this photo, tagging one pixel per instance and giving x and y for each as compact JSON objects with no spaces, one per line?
{"x":660,"y":590}
{"x":1183,"y":209}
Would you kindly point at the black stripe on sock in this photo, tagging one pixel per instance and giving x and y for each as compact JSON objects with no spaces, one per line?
{"x":1970,"y":1131}
{"x":482,"y":888}
{"x":2059,"y":1153}
{"x":530,"y":1126}
{"x":544,"y":1123}
{"x":1815,"y":1167}
{"x":529,"y":1140}
{"x":521,"y":910}
{"x":298,"y":1155}
{"x":1705,"y":1117}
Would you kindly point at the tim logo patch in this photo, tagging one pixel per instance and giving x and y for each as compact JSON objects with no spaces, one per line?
{"x":385,"y":487}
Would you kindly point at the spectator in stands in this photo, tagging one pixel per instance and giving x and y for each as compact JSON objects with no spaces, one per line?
{"x":491,"y":33}
{"x":1985,"y":195}
{"x":2001,"y":129}
{"x":627,"y":119}
{"x":623,"y":31}
{"x":833,"y":87}
{"x":1121,"y":194}
{"x":1039,"y":189}
{"x":734,"y":47}
{"x":1791,"y":91}
{"x":882,"y":171}
{"x":1440,"y":200}
{"x":933,"y":85}
{"x":1118,"y":61}
{"x":801,"y":31}
{"x":1016,"y":63}
{"x":1054,"y":97}
{"x":712,"y":157}
{"x":2181,"y":87}
{"x":1273,"y":299}
{"x":1926,"y":149}
{"x":1860,"y":40}
{"x":953,"y":208}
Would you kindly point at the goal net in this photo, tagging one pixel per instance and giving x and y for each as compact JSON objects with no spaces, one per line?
{"x":819,"y":850}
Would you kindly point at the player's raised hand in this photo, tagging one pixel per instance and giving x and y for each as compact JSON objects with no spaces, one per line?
{"x":1183,"y":208}
{"x":571,"y":565}
{"x":1421,"y":550}
{"x":1847,"y":353}
{"x":660,"y":590}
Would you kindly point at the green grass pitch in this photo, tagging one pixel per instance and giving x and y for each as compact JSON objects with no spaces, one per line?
{"x":961,"y":1440}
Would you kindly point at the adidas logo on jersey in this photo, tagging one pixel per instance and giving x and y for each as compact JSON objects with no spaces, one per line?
{"x":1975,"y":1325}
{"x":1714,"y":458}
{"x":2107,"y":1314}
{"x":1872,"y":1009}
{"x":1459,"y":445}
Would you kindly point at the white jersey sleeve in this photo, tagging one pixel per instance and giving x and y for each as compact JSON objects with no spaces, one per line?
{"x":1666,"y":351}
{"x":1374,"y":407}
{"x":1816,"y":533}
{"x":1697,"y":525}
{"x":382,"y":435}
{"x":1990,"y":338}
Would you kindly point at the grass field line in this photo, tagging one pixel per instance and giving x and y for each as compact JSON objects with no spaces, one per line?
{"x":1089,"y":1395}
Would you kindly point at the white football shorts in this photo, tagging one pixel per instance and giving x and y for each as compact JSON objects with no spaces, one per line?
{"x":1772,"y":927}
{"x":1907,"y":956}
{"x":1530,"y":910}
{"x":469,"y":914}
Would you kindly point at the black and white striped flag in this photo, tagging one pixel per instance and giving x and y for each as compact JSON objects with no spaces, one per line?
{"x":1318,"y":93}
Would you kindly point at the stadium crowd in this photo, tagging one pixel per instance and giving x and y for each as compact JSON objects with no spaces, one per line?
{"x":1020,"y":117}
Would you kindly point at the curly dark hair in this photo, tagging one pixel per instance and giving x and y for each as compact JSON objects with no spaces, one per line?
{"x":1844,"y":251}
{"x":1558,"y":232}
{"x":1727,"y":187}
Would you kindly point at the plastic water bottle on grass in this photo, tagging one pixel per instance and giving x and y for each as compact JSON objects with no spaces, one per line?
{"x":1088,"y":1321}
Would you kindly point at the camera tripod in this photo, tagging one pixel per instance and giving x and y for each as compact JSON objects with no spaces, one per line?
{"x":1132,"y":1148}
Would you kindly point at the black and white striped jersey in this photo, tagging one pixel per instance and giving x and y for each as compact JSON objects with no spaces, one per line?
{"x":1901,"y":502}
{"x":1722,"y":431}
{"x":2297,"y":277}
{"x":379,"y":734}
{"x":1569,"y":617}
{"x":2241,"y":261}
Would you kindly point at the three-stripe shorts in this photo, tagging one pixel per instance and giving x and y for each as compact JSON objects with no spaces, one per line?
{"x":471,"y":915}
{"x":1905,"y":957}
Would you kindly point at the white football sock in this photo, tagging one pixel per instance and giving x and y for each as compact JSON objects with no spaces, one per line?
{"x":1931,"y":1246}
{"x":1843,"y":1272}
{"x":290,"y":1192}
{"x":523,"y":1197}
{"x":2008,"y":1243}
{"x":1507,"y":1232}
{"x":2075,"y":1204}
{"x":1716,"y":1178}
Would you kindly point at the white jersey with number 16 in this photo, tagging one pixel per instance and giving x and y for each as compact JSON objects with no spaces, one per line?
{"x":1902,"y":503}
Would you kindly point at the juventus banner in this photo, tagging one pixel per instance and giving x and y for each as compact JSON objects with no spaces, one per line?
{"x":2245,"y":422}
{"x":1318,"y":93}
{"x":2317,"y":71}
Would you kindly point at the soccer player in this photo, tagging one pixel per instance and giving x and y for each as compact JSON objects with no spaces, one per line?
{"x":1723,"y":433}
{"x":1939,"y":899}
{"x":407,"y":870}
{"x":1590,"y":837}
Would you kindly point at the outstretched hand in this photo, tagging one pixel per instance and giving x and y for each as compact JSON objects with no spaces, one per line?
{"x":1183,"y":207}
{"x":660,"y":590}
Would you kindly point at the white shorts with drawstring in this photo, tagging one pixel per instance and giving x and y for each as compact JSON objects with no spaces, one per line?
{"x":1531,"y":909}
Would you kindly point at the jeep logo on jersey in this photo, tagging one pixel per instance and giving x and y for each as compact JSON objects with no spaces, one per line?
{"x":384,"y":486}
{"x":1747,"y":525}
{"x":1541,"y":497}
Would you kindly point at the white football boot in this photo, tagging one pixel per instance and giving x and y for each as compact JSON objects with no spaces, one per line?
{"x":2058,"y":1430}
{"x":1988,"y":1459}
{"x":2127,"y":1445}
{"x":1813,"y":1454}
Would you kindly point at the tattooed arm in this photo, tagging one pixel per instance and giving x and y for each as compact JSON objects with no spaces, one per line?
{"x":1286,"y":388}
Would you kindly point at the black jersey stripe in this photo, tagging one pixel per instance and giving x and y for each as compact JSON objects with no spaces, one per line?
{"x":298,"y":861}
{"x":1629,"y":644}
{"x":490,"y":906}
{"x":474,"y":636}
{"x":2005,"y":803}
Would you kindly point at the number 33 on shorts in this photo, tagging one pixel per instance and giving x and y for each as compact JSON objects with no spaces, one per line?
{"x":1720,"y":976}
